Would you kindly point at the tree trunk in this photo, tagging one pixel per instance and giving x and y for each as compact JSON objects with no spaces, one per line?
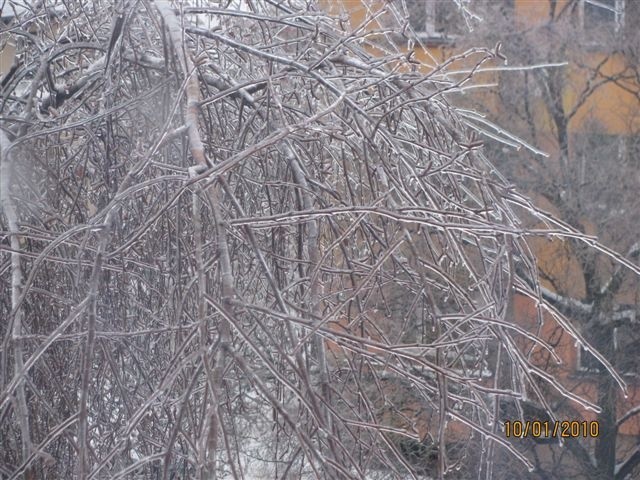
{"x":605,"y":448}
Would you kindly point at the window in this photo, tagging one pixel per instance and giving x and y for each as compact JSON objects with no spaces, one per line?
{"x":595,"y":146}
{"x":434,"y":18}
{"x":625,"y":361}
{"x":588,"y":363}
{"x":598,"y":161}
{"x":604,"y":16}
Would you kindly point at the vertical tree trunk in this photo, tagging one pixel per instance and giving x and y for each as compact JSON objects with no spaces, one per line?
{"x":605,"y":448}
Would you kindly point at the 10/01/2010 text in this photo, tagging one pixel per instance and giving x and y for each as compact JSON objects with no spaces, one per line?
{"x":551,"y":429}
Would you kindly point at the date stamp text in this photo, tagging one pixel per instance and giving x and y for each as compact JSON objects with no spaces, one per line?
{"x":551,"y":429}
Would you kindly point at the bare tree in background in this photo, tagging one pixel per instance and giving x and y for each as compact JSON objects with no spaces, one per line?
{"x":208,"y":215}
{"x":582,"y":108}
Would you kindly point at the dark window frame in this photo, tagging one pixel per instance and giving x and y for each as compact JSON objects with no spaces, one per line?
{"x":587,"y":364}
{"x":431,"y":19}
{"x":603,"y":15}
